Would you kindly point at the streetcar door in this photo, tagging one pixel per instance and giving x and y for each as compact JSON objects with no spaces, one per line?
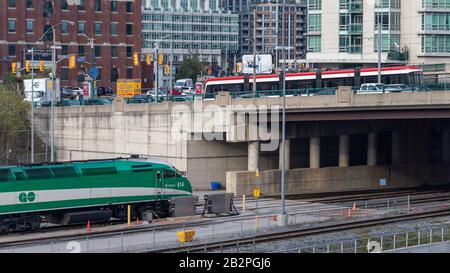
{"x":159,"y":181}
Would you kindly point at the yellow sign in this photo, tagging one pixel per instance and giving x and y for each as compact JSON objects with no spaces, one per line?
{"x":256,"y":192}
{"x":128,"y":88}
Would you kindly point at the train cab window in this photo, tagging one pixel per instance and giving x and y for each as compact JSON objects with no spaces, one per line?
{"x":168,"y":174}
{"x":158,"y":175}
{"x":64,"y":172}
{"x":37,"y":174}
{"x":5,"y":175}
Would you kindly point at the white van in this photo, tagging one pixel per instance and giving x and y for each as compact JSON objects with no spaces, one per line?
{"x":183,"y":83}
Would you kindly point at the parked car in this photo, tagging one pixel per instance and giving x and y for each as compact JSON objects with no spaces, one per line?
{"x":104,"y":91}
{"x":378,"y":88}
{"x":161,"y":95}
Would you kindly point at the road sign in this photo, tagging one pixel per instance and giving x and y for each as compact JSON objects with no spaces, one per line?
{"x":128,"y":87}
{"x":94,"y":72}
{"x":81,"y":59}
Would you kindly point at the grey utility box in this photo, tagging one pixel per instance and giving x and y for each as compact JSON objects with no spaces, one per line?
{"x":218,"y":203}
{"x":183,"y":206}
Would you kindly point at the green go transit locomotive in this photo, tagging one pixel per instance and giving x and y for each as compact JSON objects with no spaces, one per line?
{"x":92,"y":190}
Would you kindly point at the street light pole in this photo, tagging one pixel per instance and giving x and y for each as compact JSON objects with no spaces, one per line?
{"x":52,"y":138}
{"x":254,"y":52}
{"x":91,"y":41}
{"x":32,"y":105}
{"x":379,"y":47}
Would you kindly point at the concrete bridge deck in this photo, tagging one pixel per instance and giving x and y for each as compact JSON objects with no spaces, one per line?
{"x":330,"y":137}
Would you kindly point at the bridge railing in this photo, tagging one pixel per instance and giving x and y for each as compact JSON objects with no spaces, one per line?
{"x":327,"y":91}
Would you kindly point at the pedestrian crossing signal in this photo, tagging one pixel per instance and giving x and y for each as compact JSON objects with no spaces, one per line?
{"x":41,"y":66}
{"x":28,"y":66}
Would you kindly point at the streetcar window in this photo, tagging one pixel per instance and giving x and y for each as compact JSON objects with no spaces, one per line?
{"x":99,"y":171}
{"x":64,"y":172}
{"x":5,"y":175}
{"x":37,"y":174}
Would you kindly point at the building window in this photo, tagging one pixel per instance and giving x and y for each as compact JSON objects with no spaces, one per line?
{"x":64,"y":28}
{"x":314,"y":44}
{"x":65,"y":50}
{"x":64,"y":74}
{"x":129,"y":29}
{"x":114,"y":75}
{"x":114,"y":51}
{"x":129,"y":6}
{"x":29,"y":4}
{"x":11,"y":3}
{"x":113,"y":28}
{"x":98,"y":51}
{"x":11,"y":50}
{"x":98,"y":28}
{"x":82,"y":5}
{"x":129,"y":51}
{"x":30,"y":27}
{"x":99,"y":74}
{"x":80,"y":50}
{"x":81,"y":28}
{"x":98,"y":5}
{"x":113,"y":6}
{"x":11,"y":25}
{"x":129,"y":73}
{"x":64,"y":5}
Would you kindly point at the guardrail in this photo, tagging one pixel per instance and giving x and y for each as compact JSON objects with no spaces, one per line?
{"x":327,"y":91}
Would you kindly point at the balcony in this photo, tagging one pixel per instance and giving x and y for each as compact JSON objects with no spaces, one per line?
{"x":354,"y":49}
{"x":398,"y":55}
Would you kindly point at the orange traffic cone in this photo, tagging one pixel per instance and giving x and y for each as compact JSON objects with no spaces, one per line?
{"x":349,"y":214}
{"x":137,"y":220}
{"x":88,"y":226}
{"x":354,"y":206}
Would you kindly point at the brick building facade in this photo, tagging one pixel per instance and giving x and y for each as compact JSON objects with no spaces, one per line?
{"x":115,"y":26}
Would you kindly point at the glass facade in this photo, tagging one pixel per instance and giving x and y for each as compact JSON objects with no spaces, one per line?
{"x":436,"y":26}
{"x":314,"y":26}
{"x":191,"y":33}
{"x":388,"y":15}
{"x":350,"y":26}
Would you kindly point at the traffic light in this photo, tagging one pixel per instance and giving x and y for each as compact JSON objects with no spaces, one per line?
{"x":28,"y":66}
{"x":166,"y":69}
{"x":136,"y":59}
{"x":72,"y":62}
{"x":160,"y":59}
{"x":41,"y":66}
{"x":238,"y":68}
{"x":14,"y":68}
{"x":148,"y":59}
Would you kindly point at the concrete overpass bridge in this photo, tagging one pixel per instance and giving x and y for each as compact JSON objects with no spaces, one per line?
{"x":336,"y":142}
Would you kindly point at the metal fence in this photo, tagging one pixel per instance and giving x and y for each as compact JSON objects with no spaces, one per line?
{"x":382,"y":243}
{"x":153,"y":237}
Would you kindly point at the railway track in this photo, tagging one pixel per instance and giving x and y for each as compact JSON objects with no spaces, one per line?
{"x":327,"y":200}
{"x":283,"y":235}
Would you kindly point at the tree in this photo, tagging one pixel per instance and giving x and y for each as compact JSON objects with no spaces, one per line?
{"x":13,"y":121}
{"x":189,"y":68}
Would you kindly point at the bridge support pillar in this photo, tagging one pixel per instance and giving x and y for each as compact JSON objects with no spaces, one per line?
{"x":372,"y":149}
{"x":446,"y":145}
{"x":253,"y":156}
{"x":287,"y":157}
{"x":344,"y":158}
{"x":314,"y":152}
{"x":397,"y":157}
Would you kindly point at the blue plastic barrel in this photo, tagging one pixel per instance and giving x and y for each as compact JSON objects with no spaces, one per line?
{"x":215,"y":185}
